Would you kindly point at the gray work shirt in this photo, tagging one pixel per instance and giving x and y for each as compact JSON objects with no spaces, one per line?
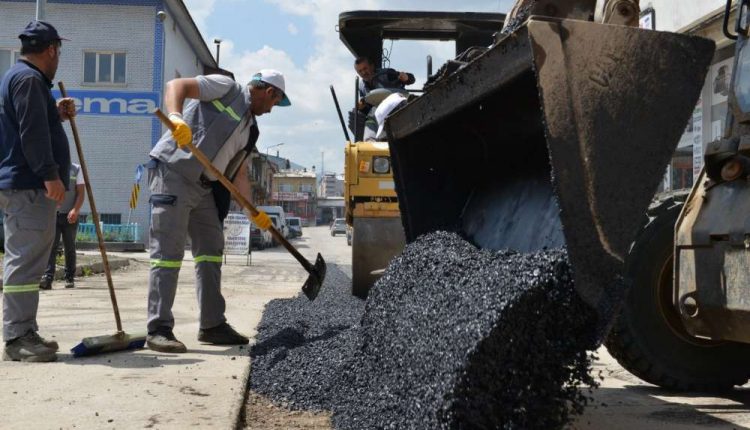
{"x":214,"y":87}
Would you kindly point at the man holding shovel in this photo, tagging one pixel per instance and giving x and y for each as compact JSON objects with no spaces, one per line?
{"x":34,"y":166}
{"x":187,"y":200}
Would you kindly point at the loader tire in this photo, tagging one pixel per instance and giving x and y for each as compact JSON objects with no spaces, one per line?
{"x":648,"y":338}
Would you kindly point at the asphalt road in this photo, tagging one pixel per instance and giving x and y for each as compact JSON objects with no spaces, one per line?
{"x":206,"y":386}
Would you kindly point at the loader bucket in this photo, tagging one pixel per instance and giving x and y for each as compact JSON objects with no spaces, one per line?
{"x":558,"y":136}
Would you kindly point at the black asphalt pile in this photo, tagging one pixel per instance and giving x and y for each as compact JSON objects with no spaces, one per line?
{"x":301,"y":345}
{"x":451,"y":337}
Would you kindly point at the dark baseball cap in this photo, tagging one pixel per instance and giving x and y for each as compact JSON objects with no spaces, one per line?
{"x":38,"y":32}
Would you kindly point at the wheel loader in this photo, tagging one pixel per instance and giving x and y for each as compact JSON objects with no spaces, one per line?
{"x":685,"y":324}
{"x":371,"y":204}
{"x":558,"y":136}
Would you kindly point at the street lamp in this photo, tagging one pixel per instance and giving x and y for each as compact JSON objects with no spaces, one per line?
{"x":272,"y":146}
{"x":217,"y":41}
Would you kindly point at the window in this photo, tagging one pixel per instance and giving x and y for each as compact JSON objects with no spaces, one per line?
{"x":306,"y":188}
{"x":285,"y":188}
{"x":110,"y":219}
{"x":8,"y":57}
{"x":104,"y":67}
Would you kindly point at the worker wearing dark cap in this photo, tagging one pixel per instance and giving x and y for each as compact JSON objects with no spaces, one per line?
{"x":34,"y":166}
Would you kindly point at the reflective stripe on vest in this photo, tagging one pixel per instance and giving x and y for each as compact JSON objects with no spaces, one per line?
{"x":208,"y":258}
{"x":228,"y":110}
{"x":27,"y":288}
{"x":171,"y":264}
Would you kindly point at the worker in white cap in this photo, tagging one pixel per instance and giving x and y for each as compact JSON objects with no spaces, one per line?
{"x":186,"y":200}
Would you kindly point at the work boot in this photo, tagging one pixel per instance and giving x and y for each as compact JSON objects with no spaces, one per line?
{"x":69,"y":283}
{"x":163,"y":340}
{"x":51,"y":344}
{"x":223,"y":334}
{"x":45,"y":284}
{"x":28,"y":348}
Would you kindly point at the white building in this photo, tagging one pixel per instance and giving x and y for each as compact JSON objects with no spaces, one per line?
{"x":331,"y":185}
{"x":702,"y":18}
{"x":120,"y":55}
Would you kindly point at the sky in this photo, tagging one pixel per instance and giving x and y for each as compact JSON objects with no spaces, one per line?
{"x":299,"y":38}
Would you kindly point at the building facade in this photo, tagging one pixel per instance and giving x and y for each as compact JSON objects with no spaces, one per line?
{"x":331,"y":185}
{"x":261,"y":178}
{"x":295,"y":191}
{"x":329,"y":208}
{"x":120,"y":55}
{"x":701,"y":18}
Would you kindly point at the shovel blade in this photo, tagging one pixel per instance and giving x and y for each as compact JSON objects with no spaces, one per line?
{"x":315,"y":280}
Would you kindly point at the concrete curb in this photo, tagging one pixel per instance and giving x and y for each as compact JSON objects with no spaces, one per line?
{"x":94,"y":267}
{"x":239,"y":407}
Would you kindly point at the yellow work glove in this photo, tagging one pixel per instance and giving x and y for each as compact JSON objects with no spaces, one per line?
{"x":262,"y":220}
{"x":181,"y":133}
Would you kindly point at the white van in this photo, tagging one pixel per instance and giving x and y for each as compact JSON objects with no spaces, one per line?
{"x":279,"y":212}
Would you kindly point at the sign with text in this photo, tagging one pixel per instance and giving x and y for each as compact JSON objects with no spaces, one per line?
{"x":289,"y":197}
{"x":697,"y":139}
{"x":120,"y":103}
{"x":236,"y":234}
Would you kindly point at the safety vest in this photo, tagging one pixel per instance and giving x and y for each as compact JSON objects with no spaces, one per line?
{"x":212,"y":123}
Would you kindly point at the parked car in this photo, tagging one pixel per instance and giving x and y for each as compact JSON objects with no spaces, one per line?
{"x":279,"y":212}
{"x":338,"y":226}
{"x":349,"y":232}
{"x":260,"y":239}
{"x":277,"y":225}
{"x":295,"y":226}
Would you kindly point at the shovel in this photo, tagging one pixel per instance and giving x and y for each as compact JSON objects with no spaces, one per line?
{"x":120,"y":340}
{"x":317,"y":272}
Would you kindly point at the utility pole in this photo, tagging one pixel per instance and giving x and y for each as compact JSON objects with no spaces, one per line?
{"x":40,"y":5}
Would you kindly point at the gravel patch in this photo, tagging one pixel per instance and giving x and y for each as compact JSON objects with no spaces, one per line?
{"x":451,"y":337}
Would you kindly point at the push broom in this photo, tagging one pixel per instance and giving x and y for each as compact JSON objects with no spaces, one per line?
{"x":120,"y":340}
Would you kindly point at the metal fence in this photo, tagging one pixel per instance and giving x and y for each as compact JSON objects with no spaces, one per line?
{"x":111,"y":232}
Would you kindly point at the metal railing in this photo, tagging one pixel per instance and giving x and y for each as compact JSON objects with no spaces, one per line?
{"x":111,"y":232}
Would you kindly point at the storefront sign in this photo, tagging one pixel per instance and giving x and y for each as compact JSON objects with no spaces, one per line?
{"x":121,"y":103}
{"x":647,"y":20}
{"x":289,"y":197}
{"x":236,"y":234}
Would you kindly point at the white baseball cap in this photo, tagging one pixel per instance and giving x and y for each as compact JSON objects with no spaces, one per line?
{"x":275,"y":78}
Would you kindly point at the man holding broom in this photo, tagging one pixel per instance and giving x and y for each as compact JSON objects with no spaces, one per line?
{"x":34,"y":166}
{"x":188,"y":200}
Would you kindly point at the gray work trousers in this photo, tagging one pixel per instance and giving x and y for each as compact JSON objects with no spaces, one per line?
{"x":29,"y":231}
{"x":180,"y":208}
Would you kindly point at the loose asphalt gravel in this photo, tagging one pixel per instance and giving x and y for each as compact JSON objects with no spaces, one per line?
{"x":450,"y":337}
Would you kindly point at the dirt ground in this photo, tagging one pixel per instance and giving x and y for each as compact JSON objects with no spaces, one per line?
{"x":262,"y":414}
